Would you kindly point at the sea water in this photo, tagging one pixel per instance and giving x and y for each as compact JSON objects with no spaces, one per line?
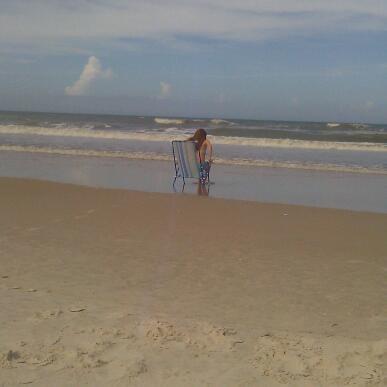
{"x":325,"y":164}
{"x":325,"y":146}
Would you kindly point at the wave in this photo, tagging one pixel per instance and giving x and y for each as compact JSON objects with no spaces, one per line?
{"x":168,"y":157}
{"x":168,"y":121}
{"x":360,"y":126}
{"x":174,"y":134}
{"x":85,"y":133}
{"x":351,"y":125}
{"x":219,"y":121}
{"x":301,"y":144}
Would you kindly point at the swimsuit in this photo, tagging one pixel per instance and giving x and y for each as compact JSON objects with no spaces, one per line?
{"x":204,"y":171}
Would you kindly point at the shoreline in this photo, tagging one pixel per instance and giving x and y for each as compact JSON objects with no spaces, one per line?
{"x":188,"y":195}
{"x":137,"y":156}
{"x":108,"y":286}
{"x":351,"y":191}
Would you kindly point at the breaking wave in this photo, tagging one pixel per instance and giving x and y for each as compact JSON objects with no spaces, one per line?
{"x":168,"y":121}
{"x":175,"y":134}
{"x":219,"y":121}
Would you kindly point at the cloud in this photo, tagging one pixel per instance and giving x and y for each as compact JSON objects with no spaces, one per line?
{"x":91,"y":72}
{"x":248,"y":20}
{"x":165,"y":89}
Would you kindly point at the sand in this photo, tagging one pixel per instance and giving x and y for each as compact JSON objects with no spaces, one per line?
{"x":114,"y":288}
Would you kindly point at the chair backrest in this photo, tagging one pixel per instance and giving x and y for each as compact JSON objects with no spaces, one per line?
{"x":184,"y":153}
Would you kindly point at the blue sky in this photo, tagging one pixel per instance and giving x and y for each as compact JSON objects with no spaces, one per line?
{"x":289,"y":60}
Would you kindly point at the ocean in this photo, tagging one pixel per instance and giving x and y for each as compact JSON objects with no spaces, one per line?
{"x":322,"y":146}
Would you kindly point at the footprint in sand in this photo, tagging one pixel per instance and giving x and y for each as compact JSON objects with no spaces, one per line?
{"x":47,"y":314}
{"x":288,"y":358}
{"x":136,"y":367}
{"x":8,"y":358}
{"x":199,"y":335}
{"x":38,"y":355}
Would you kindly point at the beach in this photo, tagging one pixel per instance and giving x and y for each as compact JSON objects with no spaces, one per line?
{"x":193,"y":193}
{"x":118,"y":287}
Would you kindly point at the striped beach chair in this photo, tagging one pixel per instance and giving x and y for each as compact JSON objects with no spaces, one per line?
{"x":185,"y":159}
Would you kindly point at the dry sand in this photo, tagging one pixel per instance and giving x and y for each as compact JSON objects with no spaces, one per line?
{"x":114,"y":288}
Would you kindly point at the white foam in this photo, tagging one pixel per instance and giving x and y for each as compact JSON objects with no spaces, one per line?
{"x":171,"y":130}
{"x":168,"y":157}
{"x":301,"y":144}
{"x":175,"y":135}
{"x":168,"y":121}
{"x":332,"y":124}
{"x":360,"y":126}
{"x":219,"y":121}
{"x":86,"y":133}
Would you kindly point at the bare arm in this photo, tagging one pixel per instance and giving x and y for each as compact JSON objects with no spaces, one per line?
{"x":210,"y":152}
{"x":206,"y":150}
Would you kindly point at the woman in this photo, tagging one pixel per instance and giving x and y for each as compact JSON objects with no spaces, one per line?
{"x":204,"y":153}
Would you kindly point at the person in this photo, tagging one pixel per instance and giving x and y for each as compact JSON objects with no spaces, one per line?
{"x":204,"y":153}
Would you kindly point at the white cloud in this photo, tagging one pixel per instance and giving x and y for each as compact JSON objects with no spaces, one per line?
{"x":21,"y":21}
{"x":91,"y":72}
{"x":165,"y":89}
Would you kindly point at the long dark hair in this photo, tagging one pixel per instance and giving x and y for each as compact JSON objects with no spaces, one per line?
{"x":199,"y":137}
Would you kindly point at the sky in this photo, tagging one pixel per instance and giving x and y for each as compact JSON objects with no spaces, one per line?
{"x":311,"y":60}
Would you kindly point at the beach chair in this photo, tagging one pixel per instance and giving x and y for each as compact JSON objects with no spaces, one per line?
{"x":185,"y":160}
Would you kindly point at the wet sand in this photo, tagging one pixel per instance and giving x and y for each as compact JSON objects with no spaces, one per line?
{"x":351,"y":191}
{"x":115,"y":287}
